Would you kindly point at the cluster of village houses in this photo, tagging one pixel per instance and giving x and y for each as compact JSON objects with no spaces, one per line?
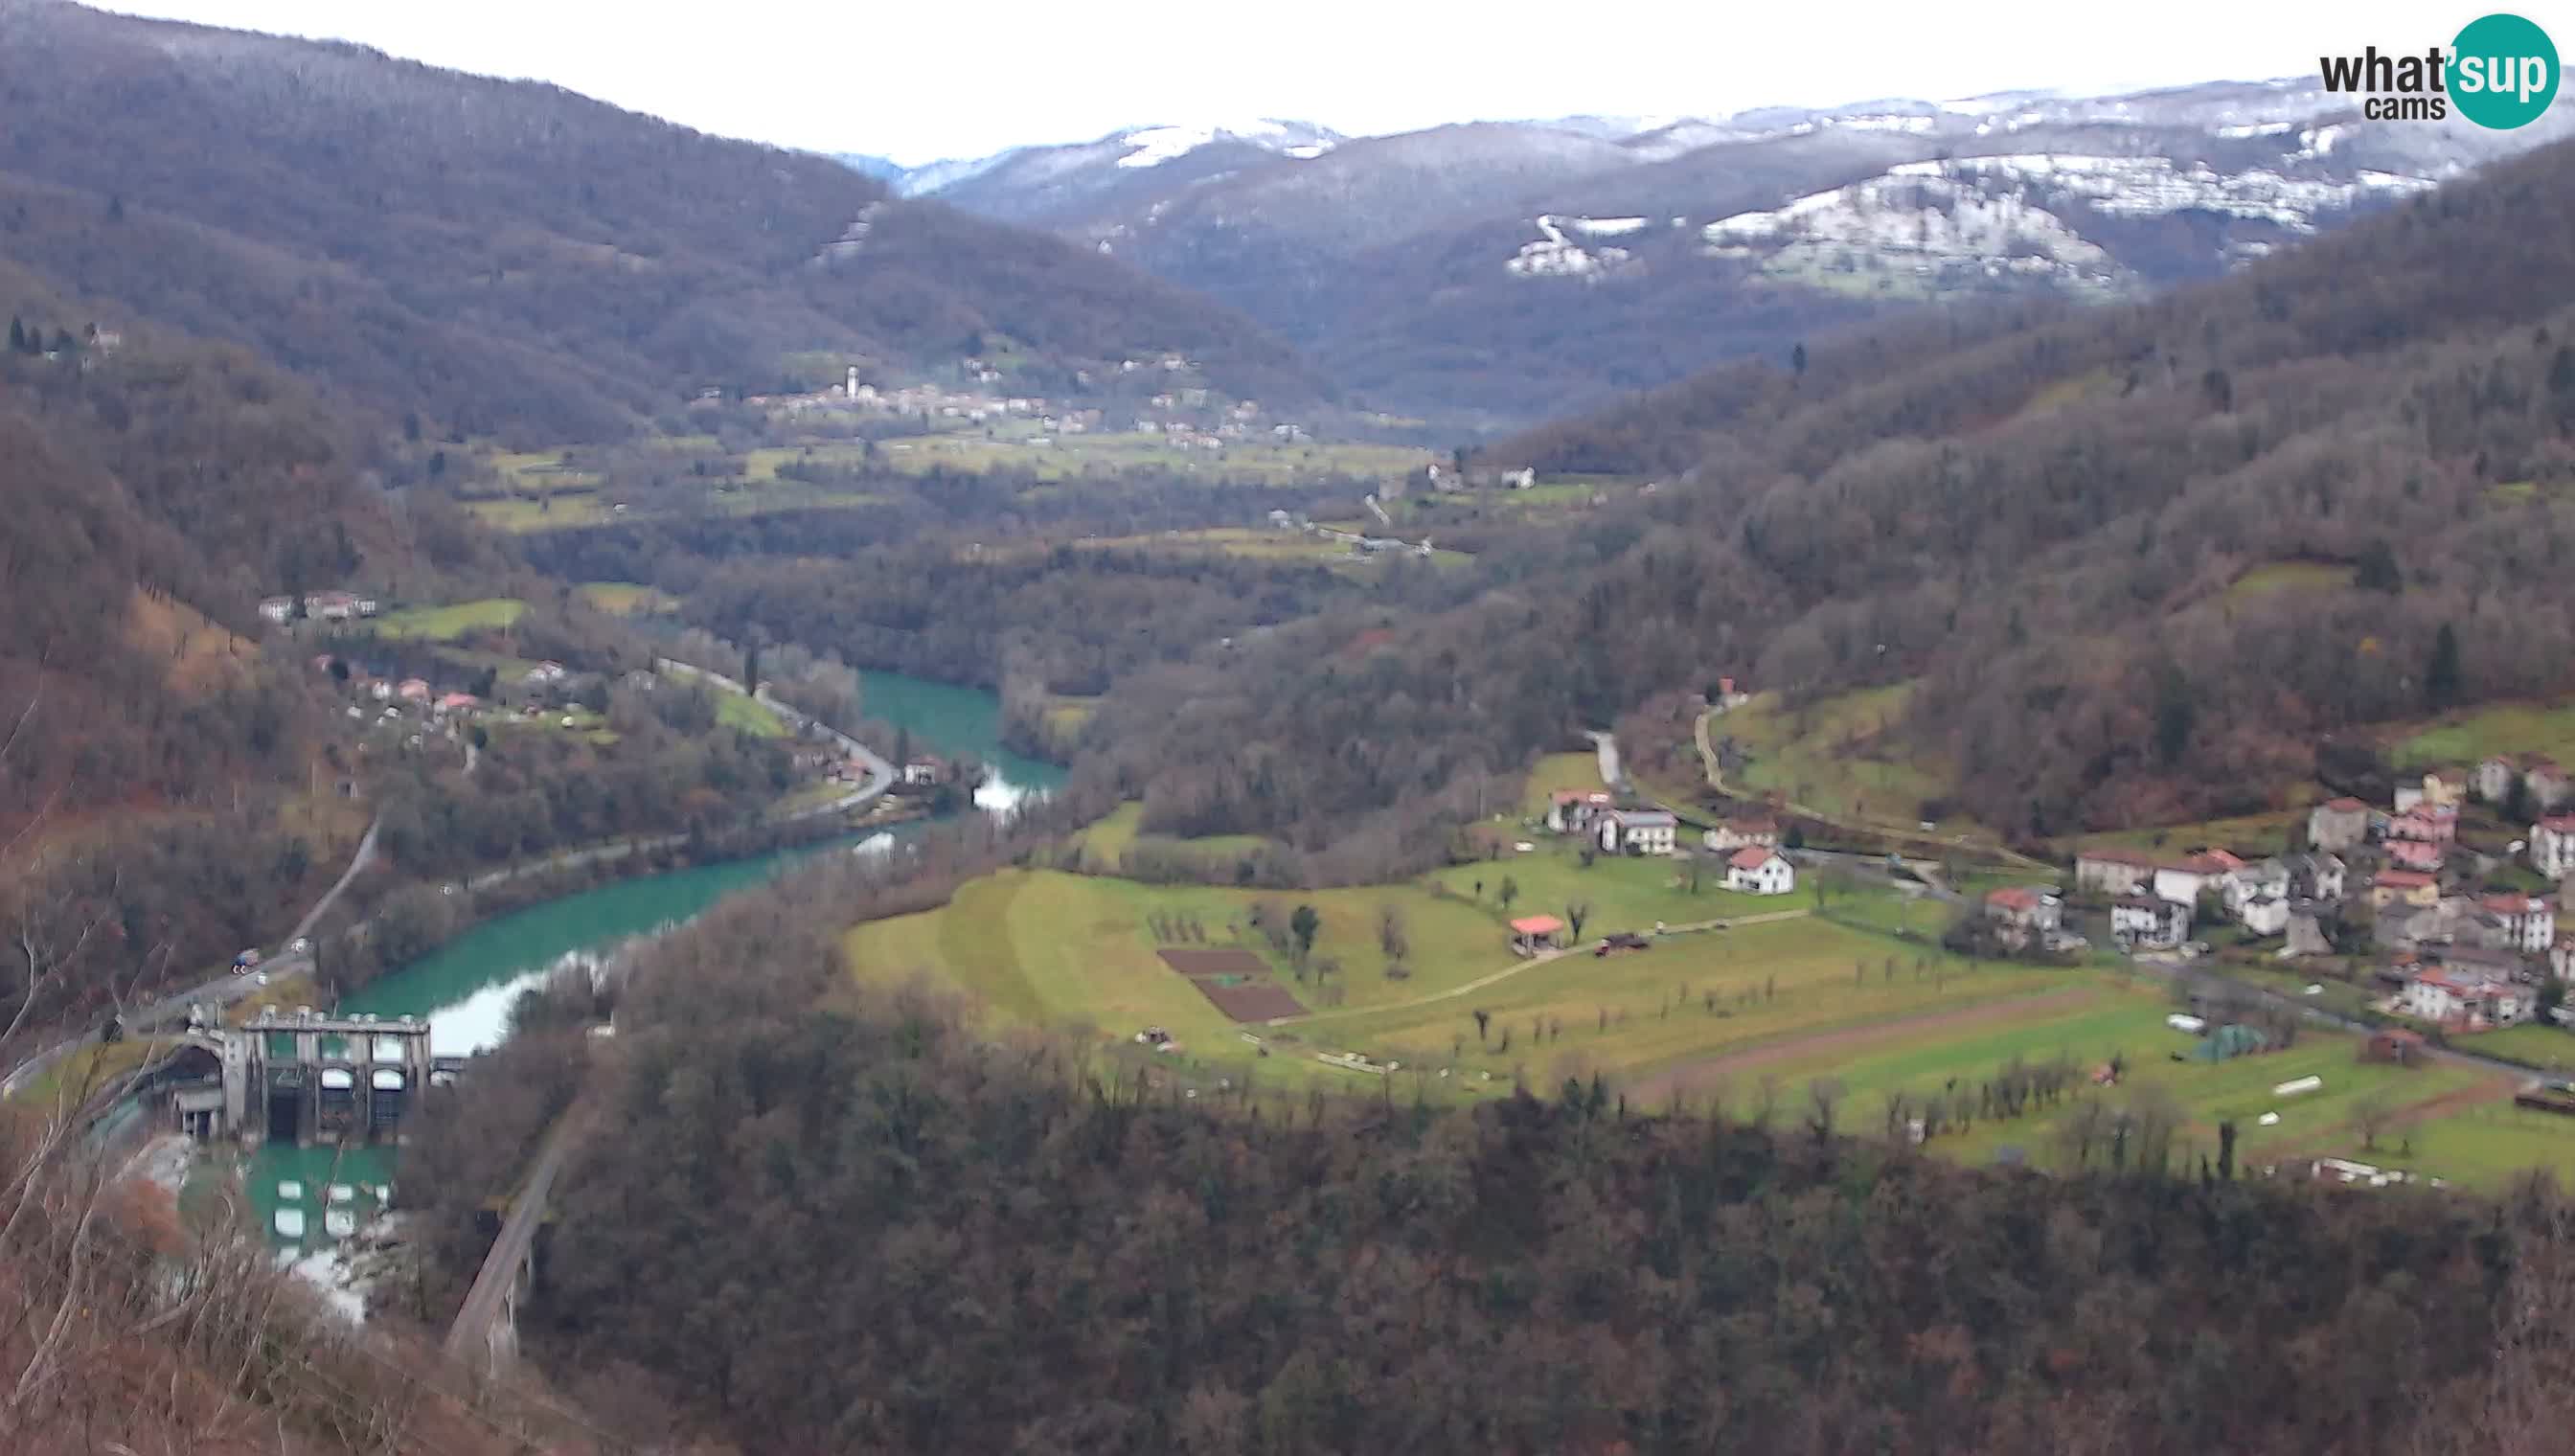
{"x":319,"y":606}
{"x":539,"y":687}
{"x":1211,"y":421}
{"x":1750,"y":845}
{"x":2450,"y":955}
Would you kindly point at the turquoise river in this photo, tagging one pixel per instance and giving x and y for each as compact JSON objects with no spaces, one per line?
{"x":466,"y":988}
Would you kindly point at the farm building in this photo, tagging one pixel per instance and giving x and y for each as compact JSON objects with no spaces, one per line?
{"x":1533,"y":933}
{"x":1757,"y":870}
{"x":1637,"y":830}
{"x":2113,"y":871}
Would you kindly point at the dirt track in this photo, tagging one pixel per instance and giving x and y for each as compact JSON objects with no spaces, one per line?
{"x":1695,"y":1077}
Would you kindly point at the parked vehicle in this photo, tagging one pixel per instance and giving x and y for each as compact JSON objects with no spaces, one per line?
{"x":244,"y":962}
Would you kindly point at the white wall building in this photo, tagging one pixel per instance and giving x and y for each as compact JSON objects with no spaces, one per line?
{"x":1759,"y":870}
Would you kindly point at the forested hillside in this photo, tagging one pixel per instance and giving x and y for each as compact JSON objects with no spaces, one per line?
{"x":2036,"y":519}
{"x":149,"y":494}
{"x":966,"y":1246}
{"x":506,"y":258}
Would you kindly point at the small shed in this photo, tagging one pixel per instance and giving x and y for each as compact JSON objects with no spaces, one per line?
{"x":2396,"y":1045}
{"x":1533,"y":933}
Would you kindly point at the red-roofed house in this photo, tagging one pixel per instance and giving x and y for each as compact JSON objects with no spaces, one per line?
{"x":2552,"y":846}
{"x":412,"y":690}
{"x":1758,"y":870}
{"x":2338,"y":824}
{"x":1569,"y":810}
{"x":2404,"y":887}
{"x":2547,"y":784}
{"x":2457,"y":997}
{"x":2530,"y":921}
{"x":2420,"y":855}
{"x":2022,"y":912}
{"x":2184,"y":879}
{"x":2431,"y":825}
{"x":458,"y":702}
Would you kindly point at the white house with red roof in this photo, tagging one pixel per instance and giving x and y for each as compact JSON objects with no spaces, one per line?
{"x":2464,"y":996}
{"x":2338,"y":824}
{"x":2552,"y":846}
{"x":2529,"y":921}
{"x":2024,"y":913}
{"x":1569,"y":810}
{"x":2184,"y":879}
{"x":1758,"y":870}
{"x":2547,"y":784}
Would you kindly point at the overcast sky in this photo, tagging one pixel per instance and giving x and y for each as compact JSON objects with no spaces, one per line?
{"x":919,"y":81}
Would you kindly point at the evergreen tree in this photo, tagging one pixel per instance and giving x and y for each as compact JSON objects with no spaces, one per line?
{"x":2377,"y":570}
{"x":2441,"y":679}
{"x":17,"y":335}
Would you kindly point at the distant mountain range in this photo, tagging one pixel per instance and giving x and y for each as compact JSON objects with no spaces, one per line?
{"x":509,"y":258}
{"x":1516,"y":269}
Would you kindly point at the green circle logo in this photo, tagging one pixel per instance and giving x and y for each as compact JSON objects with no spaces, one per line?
{"x":2503,"y":72}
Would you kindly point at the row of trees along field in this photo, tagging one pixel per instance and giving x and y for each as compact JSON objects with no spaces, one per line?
{"x":965,"y":1244}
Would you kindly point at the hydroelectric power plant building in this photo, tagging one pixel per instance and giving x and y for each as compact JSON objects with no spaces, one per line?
{"x":302,"y":1078}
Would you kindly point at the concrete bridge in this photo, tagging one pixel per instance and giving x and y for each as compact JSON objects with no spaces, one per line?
{"x":485,"y":1337}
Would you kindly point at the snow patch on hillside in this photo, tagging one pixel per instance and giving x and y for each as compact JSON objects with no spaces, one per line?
{"x":1156,"y":145}
{"x":2154,"y":186}
{"x":1937,"y":224}
{"x":1916,"y":125}
{"x":1557,"y":256}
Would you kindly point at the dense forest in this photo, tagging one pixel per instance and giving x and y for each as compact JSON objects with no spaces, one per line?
{"x":506,"y":258}
{"x":2033,"y":515}
{"x":968,"y":1245}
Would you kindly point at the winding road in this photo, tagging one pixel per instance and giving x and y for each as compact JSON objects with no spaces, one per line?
{"x":220,"y":991}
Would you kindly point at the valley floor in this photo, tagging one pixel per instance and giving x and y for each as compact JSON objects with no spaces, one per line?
{"x":1763,"y":1008}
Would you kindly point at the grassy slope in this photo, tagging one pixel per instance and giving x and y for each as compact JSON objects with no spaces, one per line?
{"x":1826,"y":754}
{"x":447,"y":624}
{"x":1625,"y":893}
{"x":1812,"y":998}
{"x":625,"y":599}
{"x":2503,"y":727}
{"x":2272,"y":577}
{"x":735,"y":711}
{"x":2252,"y":835}
{"x":1106,"y":841}
{"x":1558,"y":771}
